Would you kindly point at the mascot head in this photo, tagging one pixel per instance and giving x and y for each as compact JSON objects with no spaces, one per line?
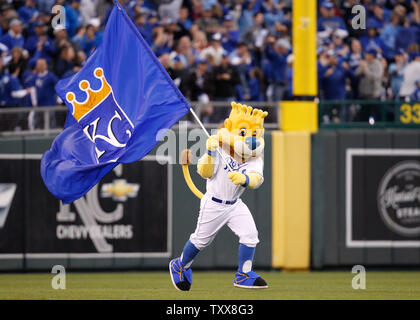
{"x":243,"y":131}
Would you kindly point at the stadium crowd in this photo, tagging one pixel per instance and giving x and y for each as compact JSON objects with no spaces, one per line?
{"x":217,"y":50}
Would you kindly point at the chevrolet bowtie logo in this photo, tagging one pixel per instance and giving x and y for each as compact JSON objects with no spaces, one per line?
{"x":119,"y":190}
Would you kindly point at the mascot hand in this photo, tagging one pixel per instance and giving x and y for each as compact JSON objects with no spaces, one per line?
{"x":237,"y":177}
{"x":212,"y":143}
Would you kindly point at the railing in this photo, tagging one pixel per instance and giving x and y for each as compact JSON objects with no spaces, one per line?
{"x":50,"y":120}
{"x":332,"y":114}
{"x":368,"y":114}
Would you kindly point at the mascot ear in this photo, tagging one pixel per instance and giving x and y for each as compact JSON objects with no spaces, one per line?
{"x":228,"y":124}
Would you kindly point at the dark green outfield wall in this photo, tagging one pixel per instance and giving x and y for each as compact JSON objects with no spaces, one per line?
{"x":349,"y":224}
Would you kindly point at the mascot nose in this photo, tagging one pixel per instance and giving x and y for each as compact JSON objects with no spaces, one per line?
{"x":252,"y":142}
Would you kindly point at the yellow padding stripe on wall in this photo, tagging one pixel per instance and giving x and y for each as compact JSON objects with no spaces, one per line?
{"x":291,"y":200}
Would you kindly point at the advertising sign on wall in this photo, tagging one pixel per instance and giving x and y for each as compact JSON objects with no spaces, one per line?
{"x":122,"y":216}
{"x":382,"y":197}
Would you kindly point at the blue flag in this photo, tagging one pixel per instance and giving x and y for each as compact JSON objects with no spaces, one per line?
{"x":117,"y":103}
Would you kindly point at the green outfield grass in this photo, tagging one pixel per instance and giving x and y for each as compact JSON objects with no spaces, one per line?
{"x":211,"y":285}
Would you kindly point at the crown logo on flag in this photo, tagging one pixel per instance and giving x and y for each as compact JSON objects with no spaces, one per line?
{"x":93,"y":97}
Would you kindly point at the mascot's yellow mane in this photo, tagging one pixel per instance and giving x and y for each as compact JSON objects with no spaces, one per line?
{"x":244,"y":121}
{"x":245,"y":116}
{"x":241,"y":136}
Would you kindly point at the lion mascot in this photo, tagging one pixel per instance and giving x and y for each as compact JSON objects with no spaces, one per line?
{"x":241,"y":144}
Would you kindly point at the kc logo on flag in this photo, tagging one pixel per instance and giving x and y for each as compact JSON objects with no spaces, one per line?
{"x":103,"y":121}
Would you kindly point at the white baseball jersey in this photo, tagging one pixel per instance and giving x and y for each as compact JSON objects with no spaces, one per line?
{"x":213,"y":215}
{"x":220,"y":186}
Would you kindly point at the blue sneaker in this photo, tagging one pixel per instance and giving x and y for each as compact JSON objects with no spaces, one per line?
{"x":249,"y":280}
{"x":181,"y":278}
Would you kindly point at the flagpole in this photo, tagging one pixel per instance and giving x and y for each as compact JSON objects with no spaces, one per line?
{"x":208,"y":135}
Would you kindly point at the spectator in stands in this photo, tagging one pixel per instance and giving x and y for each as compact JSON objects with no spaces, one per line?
{"x":341,"y":48}
{"x":199,"y":40}
{"x":88,"y":10}
{"x":90,"y":39}
{"x":207,"y":23}
{"x":334,"y":77}
{"x":161,"y":42}
{"x":14,"y":37}
{"x":8,"y":13}
{"x":175,"y":29}
{"x":281,"y":29}
{"x":79,"y":62}
{"x":378,"y":14}
{"x":372,"y":40}
{"x":406,"y":35}
{"x":65,"y":62}
{"x":225,"y":79}
{"x":18,"y":63}
{"x":328,"y":19}
{"x":254,"y":35}
{"x":45,"y":82}
{"x":73,"y":17}
{"x":396,"y":73}
{"x":200,"y":82}
{"x":184,"y":52}
{"x":179,"y":73}
{"x":230,"y":34}
{"x":144,"y":28}
{"x":416,"y":95}
{"x":166,"y":62}
{"x":255,"y":85}
{"x":152,"y":19}
{"x":411,"y":74}
{"x":385,"y":77}
{"x":28,"y":13}
{"x":277,"y":53}
{"x":353,"y":60}
{"x":213,"y":53}
{"x":45,"y":5}
{"x":389,"y":34}
{"x":333,"y":82}
{"x":11,"y":91}
{"x":272,"y":13}
{"x":40,"y":44}
{"x":370,"y":72}
{"x":11,"y":94}
{"x":79,"y":36}
{"x":184,"y":18}
{"x":61,"y":40}
{"x":241,"y":58}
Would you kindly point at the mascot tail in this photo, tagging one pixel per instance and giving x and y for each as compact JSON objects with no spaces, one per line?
{"x":185,"y":161}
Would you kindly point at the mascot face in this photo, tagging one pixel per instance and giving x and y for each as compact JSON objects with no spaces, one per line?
{"x":244,"y":131}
